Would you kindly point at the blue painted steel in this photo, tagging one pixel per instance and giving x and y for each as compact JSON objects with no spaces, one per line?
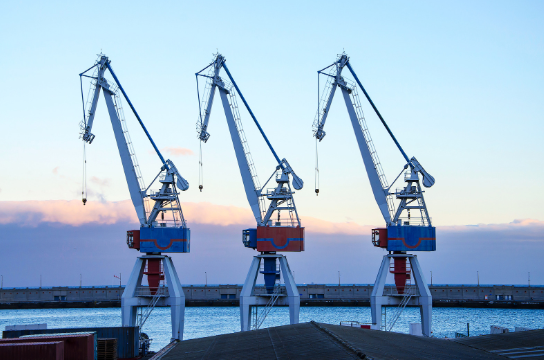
{"x":378,"y":113}
{"x":253,"y":116}
{"x":250,"y":238}
{"x":270,"y":274}
{"x":165,"y":240}
{"x":127,"y":337}
{"x":137,"y":116}
{"x":411,"y":238}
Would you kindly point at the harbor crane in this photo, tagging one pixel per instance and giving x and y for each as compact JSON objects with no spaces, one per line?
{"x":405,"y":231}
{"x":163,"y":228}
{"x":272,"y":235}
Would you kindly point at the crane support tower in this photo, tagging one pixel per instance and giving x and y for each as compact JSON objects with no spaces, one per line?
{"x":271,"y":236}
{"x":163,"y":228}
{"x":404,"y":231}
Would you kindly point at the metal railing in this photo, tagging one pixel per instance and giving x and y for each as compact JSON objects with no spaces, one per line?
{"x":146,"y":291}
{"x":412,"y":290}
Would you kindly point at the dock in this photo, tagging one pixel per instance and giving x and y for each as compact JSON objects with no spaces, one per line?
{"x":498,"y":296}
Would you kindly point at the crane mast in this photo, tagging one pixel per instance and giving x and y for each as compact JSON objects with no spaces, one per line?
{"x":271,"y":236}
{"x":156,"y":235}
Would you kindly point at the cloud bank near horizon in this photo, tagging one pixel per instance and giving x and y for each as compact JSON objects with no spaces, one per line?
{"x":73,"y":213}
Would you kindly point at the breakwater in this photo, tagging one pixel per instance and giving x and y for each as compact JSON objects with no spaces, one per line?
{"x":506,"y":296}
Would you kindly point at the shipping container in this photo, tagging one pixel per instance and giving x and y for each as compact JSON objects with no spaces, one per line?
{"x":76,"y":347}
{"x":32,"y":351}
{"x":127,"y":337}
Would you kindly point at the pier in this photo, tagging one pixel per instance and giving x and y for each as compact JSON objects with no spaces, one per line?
{"x":502,"y":296}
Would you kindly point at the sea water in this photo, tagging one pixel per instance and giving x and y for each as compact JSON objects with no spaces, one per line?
{"x":208,"y":321}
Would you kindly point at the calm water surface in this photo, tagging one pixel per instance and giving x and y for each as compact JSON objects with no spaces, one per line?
{"x":207,"y":321}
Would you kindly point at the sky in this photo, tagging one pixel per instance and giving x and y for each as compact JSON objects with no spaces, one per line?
{"x":459,"y":83}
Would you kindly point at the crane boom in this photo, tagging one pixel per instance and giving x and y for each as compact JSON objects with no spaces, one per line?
{"x":241,"y":156}
{"x":380,"y":194}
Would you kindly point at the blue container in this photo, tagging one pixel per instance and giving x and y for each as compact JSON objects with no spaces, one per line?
{"x":411,"y":238}
{"x":165,"y":240}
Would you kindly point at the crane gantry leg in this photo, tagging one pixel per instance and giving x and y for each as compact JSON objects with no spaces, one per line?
{"x":420,"y":295}
{"x":248,"y":297}
{"x":137,"y":296}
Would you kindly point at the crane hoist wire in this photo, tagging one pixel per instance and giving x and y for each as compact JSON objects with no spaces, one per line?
{"x":316,"y":175}
{"x":84,"y":180}
{"x":316,"y":169}
{"x":200,"y":167}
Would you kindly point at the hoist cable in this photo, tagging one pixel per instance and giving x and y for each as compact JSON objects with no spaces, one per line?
{"x":200,"y":170}
{"x":198,"y":96}
{"x":316,"y":176}
{"x":316,"y":169}
{"x":82,"y":100}
{"x":84,"y":182}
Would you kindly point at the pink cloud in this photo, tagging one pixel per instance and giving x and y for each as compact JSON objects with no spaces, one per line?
{"x":31,"y":213}
{"x":56,"y":170}
{"x":537,"y":225}
{"x":100,"y":182}
{"x":177,"y":151}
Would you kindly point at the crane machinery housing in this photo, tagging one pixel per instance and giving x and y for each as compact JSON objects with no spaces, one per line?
{"x":402,"y":233}
{"x":271,"y":235}
{"x":163,"y":228}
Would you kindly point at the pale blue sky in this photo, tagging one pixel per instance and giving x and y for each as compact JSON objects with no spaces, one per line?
{"x":460,"y":84}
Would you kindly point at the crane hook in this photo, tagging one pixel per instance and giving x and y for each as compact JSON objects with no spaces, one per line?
{"x":200,"y":187}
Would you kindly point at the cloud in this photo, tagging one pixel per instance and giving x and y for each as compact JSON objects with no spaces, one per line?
{"x":31,"y":213}
{"x":56,"y":170}
{"x":177,"y":151}
{"x":100,"y":182}
{"x":75,"y":214}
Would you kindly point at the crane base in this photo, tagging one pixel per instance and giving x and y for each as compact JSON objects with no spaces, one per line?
{"x":419,"y":296}
{"x":136,"y":295}
{"x":249,"y":299}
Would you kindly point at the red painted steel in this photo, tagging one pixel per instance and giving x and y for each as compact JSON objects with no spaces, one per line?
{"x":76,"y":347}
{"x":133,"y":239}
{"x":401,"y":273}
{"x":379,"y":237}
{"x":280,"y":238}
{"x":154,"y":274}
{"x":32,"y":351}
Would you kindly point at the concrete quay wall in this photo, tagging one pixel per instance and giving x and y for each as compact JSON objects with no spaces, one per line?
{"x":311,"y":294}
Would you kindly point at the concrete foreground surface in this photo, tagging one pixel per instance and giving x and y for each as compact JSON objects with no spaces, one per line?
{"x":325,"y":341}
